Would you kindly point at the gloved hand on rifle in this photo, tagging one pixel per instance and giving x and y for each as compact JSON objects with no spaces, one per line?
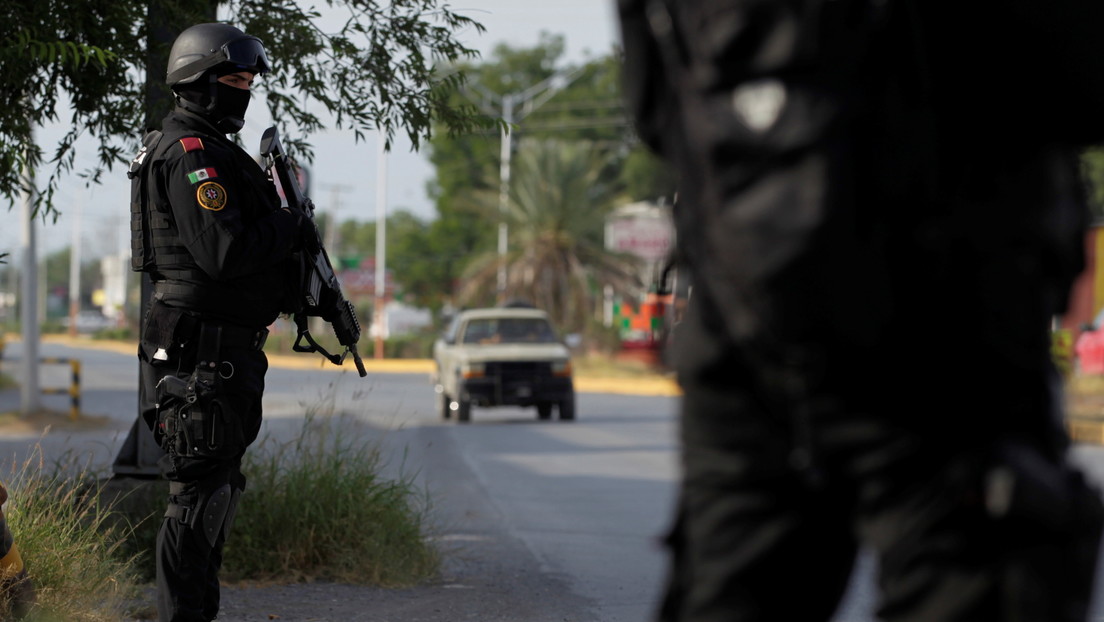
{"x":306,"y":236}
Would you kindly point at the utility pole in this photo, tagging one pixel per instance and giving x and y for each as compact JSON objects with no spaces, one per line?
{"x":30,"y":399}
{"x":74,"y":268}
{"x":504,"y":190}
{"x":380,"y":319}
{"x":165,"y":19}
{"x":331,"y":214}
{"x":515,"y":107}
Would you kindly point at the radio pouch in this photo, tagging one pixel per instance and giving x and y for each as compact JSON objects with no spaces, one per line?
{"x":159,"y":335}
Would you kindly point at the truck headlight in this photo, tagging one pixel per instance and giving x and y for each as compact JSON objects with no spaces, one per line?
{"x":472,"y":370}
{"x":561,"y":368}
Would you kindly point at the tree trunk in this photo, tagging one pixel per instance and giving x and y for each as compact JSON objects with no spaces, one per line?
{"x":165,"y":19}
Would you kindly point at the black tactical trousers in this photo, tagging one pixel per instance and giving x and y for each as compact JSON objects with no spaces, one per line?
{"x":203,"y":492}
{"x":190,"y":542}
{"x":791,"y":462}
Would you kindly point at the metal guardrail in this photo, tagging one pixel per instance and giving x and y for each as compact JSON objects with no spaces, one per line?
{"x":74,"y":388}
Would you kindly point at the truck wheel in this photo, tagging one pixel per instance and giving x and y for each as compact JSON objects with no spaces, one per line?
{"x":544,"y":411}
{"x":443,"y":405}
{"x":463,"y":412}
{"x":567,"y":409}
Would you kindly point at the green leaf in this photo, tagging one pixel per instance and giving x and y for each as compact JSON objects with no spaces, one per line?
{"x":96,"y":52}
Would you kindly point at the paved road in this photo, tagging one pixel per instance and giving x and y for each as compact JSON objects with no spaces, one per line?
{"x":545,"y":522}
{"x":572,"y":511}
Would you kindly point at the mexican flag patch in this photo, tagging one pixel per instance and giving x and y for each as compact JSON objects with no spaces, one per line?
{"x":204,"y":173}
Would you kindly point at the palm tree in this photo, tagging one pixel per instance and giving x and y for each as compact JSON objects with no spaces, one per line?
{"x":560,"y":196}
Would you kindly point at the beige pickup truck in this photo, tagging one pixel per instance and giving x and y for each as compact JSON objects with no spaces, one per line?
{"x":502,"y":356}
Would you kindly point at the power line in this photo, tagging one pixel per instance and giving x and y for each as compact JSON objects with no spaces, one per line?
{"x":516,"y":106}
{"x":582,"y":124}
{"x":567,"y":124}
{"x":581,"y":105}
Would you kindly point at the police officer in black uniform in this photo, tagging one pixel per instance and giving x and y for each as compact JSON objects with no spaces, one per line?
{"x":209,"y":229}
{"x":880,"y":219}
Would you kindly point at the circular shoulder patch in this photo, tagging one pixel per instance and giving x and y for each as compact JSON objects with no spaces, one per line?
{"x":211,"y":196}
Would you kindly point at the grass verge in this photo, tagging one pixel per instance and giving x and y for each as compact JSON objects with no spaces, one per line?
{"x":316,"y":508}
{"x":70,"y":542}
{"x":597,"y":366}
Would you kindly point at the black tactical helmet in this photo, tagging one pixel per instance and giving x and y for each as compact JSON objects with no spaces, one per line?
{"x":204,"y":46}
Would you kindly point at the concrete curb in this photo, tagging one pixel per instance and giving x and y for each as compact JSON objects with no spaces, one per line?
{"x":656,"y":386}
{"x":1085,"y":430}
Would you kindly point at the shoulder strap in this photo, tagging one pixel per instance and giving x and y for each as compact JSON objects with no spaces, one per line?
{"x":149,"y":144}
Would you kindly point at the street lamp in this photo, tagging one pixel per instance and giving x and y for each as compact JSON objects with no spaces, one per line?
{"x":521,"y":104}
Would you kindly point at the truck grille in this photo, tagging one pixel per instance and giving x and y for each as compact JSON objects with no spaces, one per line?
{"x":518,"y":371}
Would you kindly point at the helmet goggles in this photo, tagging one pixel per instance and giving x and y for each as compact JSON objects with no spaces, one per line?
{"x":246,"y":53}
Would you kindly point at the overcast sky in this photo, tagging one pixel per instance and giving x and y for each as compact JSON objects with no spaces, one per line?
{"x":344,"y":172}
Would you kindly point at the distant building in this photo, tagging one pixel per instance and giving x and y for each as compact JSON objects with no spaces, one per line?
{"x":647,"y":231}
{"x":643,"y":229}
{"x":400,"y":319}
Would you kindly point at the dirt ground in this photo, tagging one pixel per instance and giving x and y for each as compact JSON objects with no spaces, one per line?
{"x":42,"y":420}
{"x":496,"y":582}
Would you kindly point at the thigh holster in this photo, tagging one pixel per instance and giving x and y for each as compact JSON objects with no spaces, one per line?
{"x":194,"y":420}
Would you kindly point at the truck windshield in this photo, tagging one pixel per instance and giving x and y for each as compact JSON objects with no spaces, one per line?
{"x":509,"y":330}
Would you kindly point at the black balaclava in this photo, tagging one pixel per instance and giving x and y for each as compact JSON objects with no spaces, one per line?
{"x":221,"y":104}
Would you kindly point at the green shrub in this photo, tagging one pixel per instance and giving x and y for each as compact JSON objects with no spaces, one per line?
{"x":52,"y":326}
{"x":137,"y":509}
{"x":281,"y":341}
{"x":69,"y":542}
{"x":317,"y":508}
{"x":416,"y":346}
{"x":314,"y":508}
{"x":413,"y":346}
{"x":601,"y":339}
{"x":119,"y":334}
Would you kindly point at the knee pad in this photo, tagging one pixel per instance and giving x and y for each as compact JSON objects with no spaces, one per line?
{"x":211,"y":514}
{"x":218,"y":512}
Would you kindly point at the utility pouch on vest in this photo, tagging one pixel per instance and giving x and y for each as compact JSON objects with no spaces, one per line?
{"x":165,"y":329}
{"x":194,"y":418}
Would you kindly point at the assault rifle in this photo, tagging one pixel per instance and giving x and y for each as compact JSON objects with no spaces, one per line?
{"x":319,"y":292}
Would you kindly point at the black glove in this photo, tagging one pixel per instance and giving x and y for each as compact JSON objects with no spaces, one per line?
{"x":305,"y":236}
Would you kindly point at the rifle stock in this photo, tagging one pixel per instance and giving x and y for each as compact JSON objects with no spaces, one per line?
{"x":320,"y":293}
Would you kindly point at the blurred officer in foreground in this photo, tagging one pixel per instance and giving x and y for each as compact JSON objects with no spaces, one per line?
{"x":880,"y":219}
{"x":209,"y":229}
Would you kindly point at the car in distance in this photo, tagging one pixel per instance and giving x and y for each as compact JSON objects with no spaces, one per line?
{"x":502,"y":356}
